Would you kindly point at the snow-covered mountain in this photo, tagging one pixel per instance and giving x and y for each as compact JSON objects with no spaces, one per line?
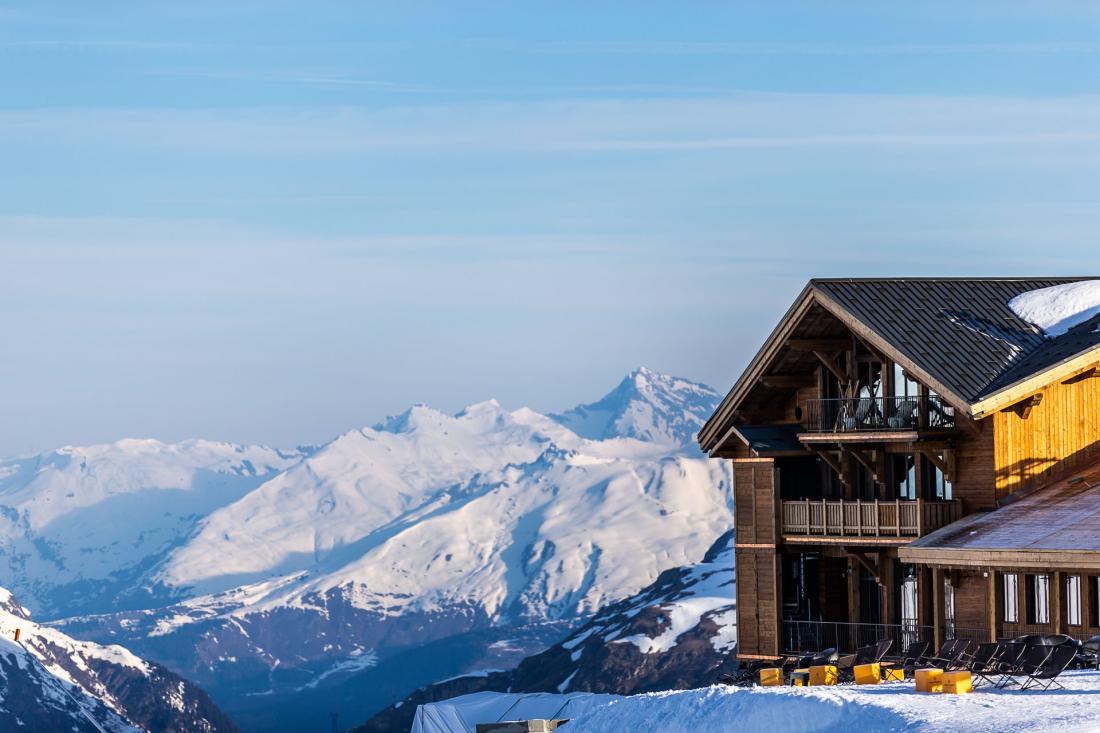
{"x":654,"y":407}
{"x":301,"y":570}
{"x":50,"y":682}
{"x":79,"y":526}
{"x":677,"y":633}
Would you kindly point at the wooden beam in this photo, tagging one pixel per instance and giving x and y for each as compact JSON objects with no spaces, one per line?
{"x":1092,"y":373}
{"x":942,"y":463}
{"x":872,"y":567}
{"x":991,"y":604}
{"x":788,"y":381}
{"x":832,"y":461}
{"x":937,"y":607}
{"x":831,"y":366}
{"x":1023,"y":407}
{"x":1012,"y":394}
{"x":817,"y":344}
{"x":869,"y":463}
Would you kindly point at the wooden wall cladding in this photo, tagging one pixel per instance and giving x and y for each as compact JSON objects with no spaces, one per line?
{"x":755,"y":505}
{"x":975,"y":471}
{"x":758,"y":603}
{"x":1059,"y":433}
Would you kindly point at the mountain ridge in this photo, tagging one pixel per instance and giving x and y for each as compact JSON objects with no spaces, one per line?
{"x":427,"y":528}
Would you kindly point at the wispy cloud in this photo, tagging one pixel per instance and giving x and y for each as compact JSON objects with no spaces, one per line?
{"x":726,"y":122}
{"x":83,"y":44}
{"x":671,"y":47}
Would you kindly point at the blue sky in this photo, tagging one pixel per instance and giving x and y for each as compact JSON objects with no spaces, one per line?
{"x":275,"y":221}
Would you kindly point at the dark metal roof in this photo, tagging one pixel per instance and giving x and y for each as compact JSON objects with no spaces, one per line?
{"x":960,"y":331}
{"x":958,"y":334}
{"x":771,"y":438}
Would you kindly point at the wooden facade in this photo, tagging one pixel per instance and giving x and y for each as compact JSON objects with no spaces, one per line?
{"x":851,"y":454}
{"x":1048,"y":433}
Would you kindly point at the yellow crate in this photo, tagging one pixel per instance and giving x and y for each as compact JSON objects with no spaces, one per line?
{"x":867,"y":674}
{"x":800,"y":677}
{"x":957,"y":682}
{"x":824,"y":674}
{"x":893,"y":674}
{"x":929,"y":680}
{"x":771,"y":677}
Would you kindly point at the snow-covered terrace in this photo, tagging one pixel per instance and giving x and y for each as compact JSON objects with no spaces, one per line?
{"x":852,"y":709}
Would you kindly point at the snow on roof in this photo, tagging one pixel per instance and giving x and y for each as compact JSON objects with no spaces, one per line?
{"x":1057,"y":309}
{"x":462,"y":714}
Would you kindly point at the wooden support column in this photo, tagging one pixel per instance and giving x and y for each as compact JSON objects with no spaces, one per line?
{"x":991,"y":605}
{"x":889,"y":596}
{"x":937,"y":607}
{"x":1056,"y":601}
{"x":853,"y":592}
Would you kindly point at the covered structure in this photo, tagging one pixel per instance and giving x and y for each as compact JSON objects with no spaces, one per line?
{"x":462,"y":714}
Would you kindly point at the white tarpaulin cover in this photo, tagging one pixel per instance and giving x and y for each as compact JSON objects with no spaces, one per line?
{"x":462,"y":714}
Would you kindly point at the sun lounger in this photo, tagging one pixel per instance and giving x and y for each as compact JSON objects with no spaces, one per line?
{"x":1045,"y":675}
{"x":950,"y":655}
{"x":911,"y":659}
{"x":981,"y":662}
{"x":1031,"y":661}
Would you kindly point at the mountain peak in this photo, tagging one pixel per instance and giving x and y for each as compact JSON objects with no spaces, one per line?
{"x":646,"y":405}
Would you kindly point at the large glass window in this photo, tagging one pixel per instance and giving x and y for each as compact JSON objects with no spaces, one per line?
{"x":1073,"y":600}
{"x":1012,"y":598}
{"x":1094,"y":601}
{"x":903,"y":476}
{"x":1038,"y":599}
{"x":949,"y":608}
{"x":935,"y":480}
{"x":870,"y":379}
{"x":903,"y":385}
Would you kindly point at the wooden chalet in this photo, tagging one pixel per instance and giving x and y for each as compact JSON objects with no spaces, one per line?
{"x":913,"y":460}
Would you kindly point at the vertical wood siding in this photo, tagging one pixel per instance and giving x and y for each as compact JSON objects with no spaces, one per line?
{"x":1060,"y":433}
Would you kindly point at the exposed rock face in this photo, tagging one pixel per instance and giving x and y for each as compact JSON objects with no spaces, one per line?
{"x":266,"y":575}
{"x":678,"y":633}
{"x":51,"y":682}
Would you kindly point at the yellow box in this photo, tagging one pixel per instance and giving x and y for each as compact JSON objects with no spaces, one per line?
{"x":771,"y":677}
{"x":957,"y":682}
{"x":893,"y":674}
{"x":824,"y":674}
{"x":929,"y":680}
{"x":800,"y":677}
{"x":867,"y":674}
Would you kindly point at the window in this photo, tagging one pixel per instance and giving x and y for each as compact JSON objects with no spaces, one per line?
{"x":949,"y":608}
{"x":903,"y":385}
{"x":1073,"y":600}
{"x":870,"y":379}
{"x":1012,"y":595}
{"x":936,"y":481}
{"x":1094,"y":601}
{"x":903,"y":476}
{"x":1038,"y":599}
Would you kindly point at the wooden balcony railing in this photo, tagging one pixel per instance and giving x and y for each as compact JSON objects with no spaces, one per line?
{"x":825,"y":518}
{"x":878,"y":414}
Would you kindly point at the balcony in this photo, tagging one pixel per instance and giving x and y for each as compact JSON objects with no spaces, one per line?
{"x":807,"y":637}
{"x":891,"y":522}
{"x":878,"y":415}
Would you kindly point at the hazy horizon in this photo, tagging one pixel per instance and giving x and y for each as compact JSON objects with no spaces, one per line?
{"x":273,"y":222}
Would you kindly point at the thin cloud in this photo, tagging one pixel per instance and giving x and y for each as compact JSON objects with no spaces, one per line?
{"x":746,"y":121}
{"x":610,"y":47}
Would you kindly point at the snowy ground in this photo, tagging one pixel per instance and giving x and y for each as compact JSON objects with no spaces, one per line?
{"x":887,"y":707}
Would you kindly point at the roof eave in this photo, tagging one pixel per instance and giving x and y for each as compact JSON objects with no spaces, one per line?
{"x":1018,"y":390}
{"x":709,"y":438}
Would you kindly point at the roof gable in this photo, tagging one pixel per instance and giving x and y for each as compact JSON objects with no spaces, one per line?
{"x":958,"y":335}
